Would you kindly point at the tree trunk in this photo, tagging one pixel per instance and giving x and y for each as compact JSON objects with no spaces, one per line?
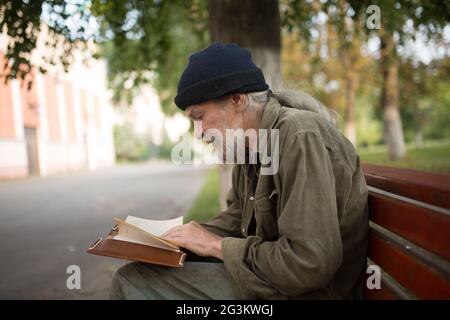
{"x":349,"y":55}
{"x":350,"y":124}
{"x":254,"y":25}
{"x":393,"y":131}
{"x":351,"y":87}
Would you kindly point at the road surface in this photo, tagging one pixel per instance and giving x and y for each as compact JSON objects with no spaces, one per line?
{"x":47,"y":224}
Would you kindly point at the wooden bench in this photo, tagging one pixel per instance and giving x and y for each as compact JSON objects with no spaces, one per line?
{"x":409,"y":232}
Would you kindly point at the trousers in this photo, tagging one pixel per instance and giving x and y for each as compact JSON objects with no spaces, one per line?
{"x":195,"y":280}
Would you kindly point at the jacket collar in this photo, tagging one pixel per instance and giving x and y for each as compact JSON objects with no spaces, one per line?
{"x":268,"y":120}
{"x":270,"y":114}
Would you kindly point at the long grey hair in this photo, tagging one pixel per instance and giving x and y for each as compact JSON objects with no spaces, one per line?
{"x":294,"y":99}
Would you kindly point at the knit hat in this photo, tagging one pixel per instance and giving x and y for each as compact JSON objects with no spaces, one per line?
{"x":216,"y":71}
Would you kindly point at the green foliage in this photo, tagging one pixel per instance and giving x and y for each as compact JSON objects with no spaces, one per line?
{"x":130,"y":147}
{"x":165,"y":149}
{"x":144,"y":42}
{"x":430,"y":17}
{"x":325,"y":46}
{"x":440,"y":115}
{"x":147,"y":42}
{"x":22,"y":19}
{"x":425,"y":98}
{"x":368,"y":127}
{"x":300,"y":15}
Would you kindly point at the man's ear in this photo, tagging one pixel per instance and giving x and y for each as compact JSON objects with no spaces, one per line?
{"x":238,"y":101}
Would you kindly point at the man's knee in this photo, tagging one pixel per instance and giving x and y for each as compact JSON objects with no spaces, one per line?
{"x":125,"y":270}
{"x":122,"y":272}
{"x":127,"y":279}
{"x":116,"y":288}
{"x":196,"y":280}
{"x":135,"y":270}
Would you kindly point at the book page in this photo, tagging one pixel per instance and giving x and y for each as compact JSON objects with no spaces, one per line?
{"x":129,"y":234}
{"x":146,"y":231}
{"x":154,"y":227}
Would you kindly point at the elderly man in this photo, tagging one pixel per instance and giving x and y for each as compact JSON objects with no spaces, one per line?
{"x":298,"y":231}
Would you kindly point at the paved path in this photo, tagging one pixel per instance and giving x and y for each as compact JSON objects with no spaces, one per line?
{"x":47,"y":224}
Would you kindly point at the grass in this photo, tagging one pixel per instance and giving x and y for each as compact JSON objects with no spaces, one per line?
{"x":433,"y":156}
{"x":206,"y":204}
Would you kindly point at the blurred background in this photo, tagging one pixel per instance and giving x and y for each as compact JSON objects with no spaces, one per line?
{"x":88,"y":123}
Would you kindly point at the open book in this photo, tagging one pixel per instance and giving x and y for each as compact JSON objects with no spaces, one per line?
{"x":139,"y":239}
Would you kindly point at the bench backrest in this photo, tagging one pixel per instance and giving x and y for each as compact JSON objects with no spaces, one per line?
{"x":409,"y":232}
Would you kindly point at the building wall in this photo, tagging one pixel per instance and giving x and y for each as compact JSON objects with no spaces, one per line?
{"x":13,"y":157}
{"x":69,"y":117}
{"x":70,"y":112}
{"x":6,"y":112}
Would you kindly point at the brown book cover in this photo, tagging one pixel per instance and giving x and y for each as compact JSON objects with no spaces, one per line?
{"x":121,"y":249}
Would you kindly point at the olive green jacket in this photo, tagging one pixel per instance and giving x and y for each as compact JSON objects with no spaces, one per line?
{"x":311,"y":216}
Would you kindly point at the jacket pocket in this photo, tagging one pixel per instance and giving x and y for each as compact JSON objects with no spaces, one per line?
{"x":266,"y":216}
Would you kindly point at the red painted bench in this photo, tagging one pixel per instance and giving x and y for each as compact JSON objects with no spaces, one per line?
{"x":409,"y":236}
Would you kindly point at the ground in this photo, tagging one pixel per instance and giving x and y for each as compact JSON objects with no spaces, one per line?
{"x":47,"y":224}
{"x":207,"y":202}
{"x":432,"y":156}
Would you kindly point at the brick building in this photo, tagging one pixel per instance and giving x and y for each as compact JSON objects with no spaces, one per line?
{"x":63,"y":123}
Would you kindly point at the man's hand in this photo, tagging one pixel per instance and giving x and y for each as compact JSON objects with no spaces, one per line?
{"x":195,"y":238}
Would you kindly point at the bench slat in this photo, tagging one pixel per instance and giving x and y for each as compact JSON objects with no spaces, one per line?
{"x":390,"y":288}
{"x":382,"y":294}
{"x":421,"y":225}
{"x":428,"y":187}
{"x":423,"y":281}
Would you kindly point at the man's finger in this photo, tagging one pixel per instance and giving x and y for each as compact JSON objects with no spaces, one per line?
{"x":177,"y":240}
{"x":170,"y":231}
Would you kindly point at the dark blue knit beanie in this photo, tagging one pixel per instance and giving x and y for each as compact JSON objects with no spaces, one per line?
{"x":216,"y":71}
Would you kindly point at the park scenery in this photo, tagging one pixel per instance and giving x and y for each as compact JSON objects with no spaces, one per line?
{"x":89,"y":129}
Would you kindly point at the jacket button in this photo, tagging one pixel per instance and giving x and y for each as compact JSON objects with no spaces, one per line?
{"x":252,"y":198}
{"x":243,"y":230}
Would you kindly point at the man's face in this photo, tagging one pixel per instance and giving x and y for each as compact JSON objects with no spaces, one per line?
{"x":216,"y":117}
